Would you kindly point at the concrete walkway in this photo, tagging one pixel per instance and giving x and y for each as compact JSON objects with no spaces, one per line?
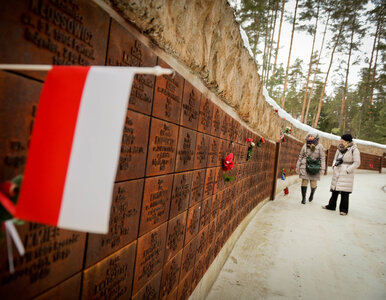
{"x":295,"y":251}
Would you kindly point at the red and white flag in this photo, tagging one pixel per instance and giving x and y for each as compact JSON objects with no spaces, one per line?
{"x":75,"y":147}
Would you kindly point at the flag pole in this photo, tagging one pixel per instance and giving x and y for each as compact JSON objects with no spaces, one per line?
{"x":157,"y":70}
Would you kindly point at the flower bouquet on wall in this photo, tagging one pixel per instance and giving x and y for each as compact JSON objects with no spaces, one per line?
{"x":228,"y":165}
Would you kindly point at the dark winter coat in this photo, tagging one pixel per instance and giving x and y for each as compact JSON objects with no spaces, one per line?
{"x":301,"y":163}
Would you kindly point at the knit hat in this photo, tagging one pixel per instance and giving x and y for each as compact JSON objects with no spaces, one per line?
{"x":313,"y":133}
{"x":347,"y":137}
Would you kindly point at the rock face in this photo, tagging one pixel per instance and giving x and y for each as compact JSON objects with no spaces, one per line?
{"x":204,"y":36}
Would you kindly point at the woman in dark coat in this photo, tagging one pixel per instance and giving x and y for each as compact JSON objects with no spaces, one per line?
{"x":315,"y":150}
{"x":347,"y":159}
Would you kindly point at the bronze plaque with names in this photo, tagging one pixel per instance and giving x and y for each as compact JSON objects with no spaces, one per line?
{"x":201,"y":153}
{"x":216,"y":200}
{"x":216,"y":121}
{"x":219,"y":182}
{"x":162,"y":148}
{"x":150,"y":256}
{"x":206,"y":210}
{"x":205,"y":118}
{"x":211,"y":232}
{"x":213,"y":151}
{"x":193,"y":222}
{"x":51,"y":256}
{"x":184,"y":286}
{"x":175,"y":236}
{"x":112,"y":277}
{"x":199,"y":270}
{"x":182,"y":185}
{"x":190,"y":106}
{"x":19,"y":100}
{"x":168,"y":96}
{"x":156,"y":202}
{"x":188,"y":257}
{"x":125,"y":50}
{"x":224,"y":127}
{"x":151,"y":290}
{"x":222,"y":151}
{"x":132,"y":161}
{"x":198,"y":184}
{"x":65,"y":290}
{"x":185,"y":149}
{"x":53,"y":33}
{"x":124,"y":222}
{"x":202,"y":242}
{"x":170,"y":275}
{"x":209,"y":182}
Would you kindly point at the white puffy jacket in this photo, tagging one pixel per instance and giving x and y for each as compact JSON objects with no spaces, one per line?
{"x":343,"y":175}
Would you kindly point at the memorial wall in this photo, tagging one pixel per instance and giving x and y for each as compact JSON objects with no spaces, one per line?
{"x":173,"y":209}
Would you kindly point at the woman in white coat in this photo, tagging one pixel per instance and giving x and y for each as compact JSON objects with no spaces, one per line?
{"x":347,"y":159}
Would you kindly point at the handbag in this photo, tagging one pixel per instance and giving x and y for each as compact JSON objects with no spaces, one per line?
{"x":312,"y":165}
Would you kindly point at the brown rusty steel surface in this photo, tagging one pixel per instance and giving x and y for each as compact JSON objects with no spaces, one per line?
{"x":201,"y":152}
{"x":185,"y":149}
{"x":52,"y":255}
{"x":125,"y":50}
{"x":111,"y":277}
{"x":175,"y":236}
{"x":132,"y":161}
{"x":170,"y":275}
{"x":124,"y":222}
{"x":162,"y":148}
{"x":150,"y":256}
{"x":156,"y":202}
{"x":182,"y":186}
{"x":205,"y":115}
{"x":168,"y":96}
{"x":53,"y":32}
{"x":289,"y":154}
{"x":190,"y":106}
{"x":18,"y":105}
{"x":193,"y":222}
{"x":151,"y":290}
{"x":63,"y":291}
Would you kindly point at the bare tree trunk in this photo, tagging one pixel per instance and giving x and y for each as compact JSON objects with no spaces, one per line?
{"x":316,"y":70}
{"x":278,"y":38}
{"x":342,"y":115}
{"x":264,"y":53}
{"x":375,"y":68}
{"x":364,"y":104}
{"x":310,"y":65}
{"x":328,"y":72}
{"x":272,"y":38}
{"x":289,"y":55}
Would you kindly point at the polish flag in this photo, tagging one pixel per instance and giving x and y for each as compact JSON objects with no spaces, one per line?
{"x":75,"y":146}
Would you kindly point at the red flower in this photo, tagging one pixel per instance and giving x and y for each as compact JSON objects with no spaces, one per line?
{"x":283,"y":140}
{"x":248,"y":140}
{"x":228,"y":164}
{"x":262,"y":140}
{"x":283,"y":118}
{"x":371,"y":165}
{"x":286,"y":191}
{"x":290,"y":130}
{"x":276,"y":110}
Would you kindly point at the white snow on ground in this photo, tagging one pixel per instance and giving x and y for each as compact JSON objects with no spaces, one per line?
{"x":295,"y":251}
{"x":283,"y":114}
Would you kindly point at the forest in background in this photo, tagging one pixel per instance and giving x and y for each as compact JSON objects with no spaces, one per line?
{"x":304,"y":86}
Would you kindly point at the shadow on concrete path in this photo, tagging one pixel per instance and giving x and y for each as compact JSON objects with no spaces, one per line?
{"x":295,"y":251}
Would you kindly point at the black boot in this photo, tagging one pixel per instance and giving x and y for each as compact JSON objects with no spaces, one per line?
{"x":304,"y":192}
{"x":312,"y":194}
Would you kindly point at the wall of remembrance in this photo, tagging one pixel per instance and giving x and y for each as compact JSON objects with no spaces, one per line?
{"x":172,"y":209}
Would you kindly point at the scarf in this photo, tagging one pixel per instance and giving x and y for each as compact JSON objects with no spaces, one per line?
{"x":312,"y":144}
{"x":344,"y":146}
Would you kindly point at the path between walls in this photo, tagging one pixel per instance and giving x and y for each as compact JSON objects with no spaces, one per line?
{"x":295,"y":251}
